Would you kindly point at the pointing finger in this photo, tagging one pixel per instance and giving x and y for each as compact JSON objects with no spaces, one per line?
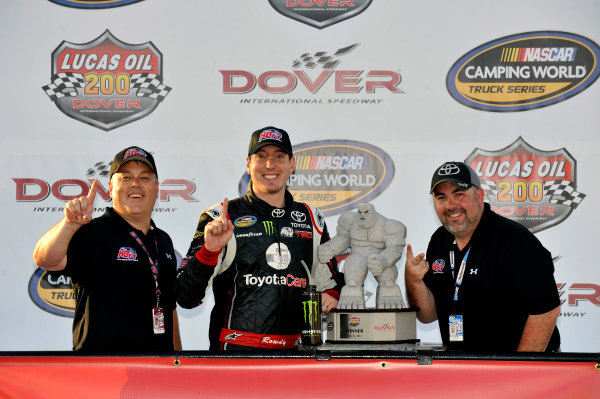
{"x":92,"y":193}
{"x":409,"y":253}
{"x":224,"y":209}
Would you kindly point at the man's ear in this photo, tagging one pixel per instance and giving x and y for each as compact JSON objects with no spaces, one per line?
{"x":480,"y":195}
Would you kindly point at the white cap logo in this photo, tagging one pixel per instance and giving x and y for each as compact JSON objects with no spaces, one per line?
{"x":449,"y":169}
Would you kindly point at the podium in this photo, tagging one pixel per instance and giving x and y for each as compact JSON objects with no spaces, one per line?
{"x":372,"y":325}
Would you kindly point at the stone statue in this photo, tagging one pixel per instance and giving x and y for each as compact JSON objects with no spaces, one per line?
{"x":376,"y":244}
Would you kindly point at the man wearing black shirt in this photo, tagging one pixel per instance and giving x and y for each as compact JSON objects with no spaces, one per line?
{"x":489,"y":281}
{"x":121,"y":265}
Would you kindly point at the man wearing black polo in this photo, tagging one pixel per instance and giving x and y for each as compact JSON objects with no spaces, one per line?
{"x":487,"y":280}
{"x":121,"y":265}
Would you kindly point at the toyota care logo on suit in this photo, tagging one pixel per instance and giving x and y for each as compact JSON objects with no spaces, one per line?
{"x":524,"y":71}
{"x":106,"y":83}
{"x":336,"y":175}
{"x":320,"y":13}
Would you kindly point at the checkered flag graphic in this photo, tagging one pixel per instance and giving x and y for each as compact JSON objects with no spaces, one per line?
{"x":149,"y":85}
{"x":100,"y":168}
{"x":562,"y":192}
{"x":64,"y":84}
{"x":321,"y":58}
{"x":490,"y":189}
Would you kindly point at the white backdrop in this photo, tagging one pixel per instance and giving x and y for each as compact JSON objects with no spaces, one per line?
{"x":199,"y":133}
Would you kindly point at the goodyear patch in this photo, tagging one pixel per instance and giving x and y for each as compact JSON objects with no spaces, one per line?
{"x":336,"y":175}
{"x":52,"y":293}
{"x":524,"y":71}
{"x":533,"y":187}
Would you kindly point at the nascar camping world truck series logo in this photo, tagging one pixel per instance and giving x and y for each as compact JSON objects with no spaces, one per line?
{"x":524,"y":71}
{"x":336,"y":175}
{"x":320,"y":13}
{"x":106,"y":83}
{"x":533,"y":187}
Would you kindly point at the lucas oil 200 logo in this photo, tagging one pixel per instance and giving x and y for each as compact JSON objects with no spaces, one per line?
{"x":106,"y":83}
{"x":533,"y":187}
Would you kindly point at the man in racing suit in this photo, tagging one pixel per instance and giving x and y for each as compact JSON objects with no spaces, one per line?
{"x":259,"y":254}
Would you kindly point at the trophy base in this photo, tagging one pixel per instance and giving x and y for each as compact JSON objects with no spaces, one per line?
{"x":372,"y":325}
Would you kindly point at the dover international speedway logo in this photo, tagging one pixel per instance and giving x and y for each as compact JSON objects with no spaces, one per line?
{"x":320,"y":13}
{"x":49,"y":195}
{"x":524,"y":71}
{"x":316,"y":73}
{"x":336,"y":175}
{"x":106,"y":83}
{"x":533,"y":187}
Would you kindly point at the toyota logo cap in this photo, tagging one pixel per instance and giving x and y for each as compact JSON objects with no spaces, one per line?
{"x":458,"y":173}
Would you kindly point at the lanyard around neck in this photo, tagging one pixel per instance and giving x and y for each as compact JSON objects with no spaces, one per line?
{"x":461,"y":272}
{"x":153,"y":264}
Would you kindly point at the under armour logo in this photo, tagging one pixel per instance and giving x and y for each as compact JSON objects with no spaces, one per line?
{"x":448,"y":169}
{"x":169,"y":256}
{"x":233,"y":336}
{"x":277,"y":213}
{"x":473,"y":271}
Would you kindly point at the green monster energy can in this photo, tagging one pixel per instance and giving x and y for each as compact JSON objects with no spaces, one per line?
{"x":311,"y":309}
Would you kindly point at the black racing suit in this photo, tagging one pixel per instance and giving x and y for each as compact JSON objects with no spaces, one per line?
{"x":259,"y":277}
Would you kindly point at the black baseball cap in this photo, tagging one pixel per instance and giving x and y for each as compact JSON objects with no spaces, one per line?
{"x":458,"y":173}
{"x":132,"y":154}
{"x":270,"y":136}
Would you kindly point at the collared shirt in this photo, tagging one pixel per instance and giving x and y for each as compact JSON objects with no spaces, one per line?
{"x":115,"y":289}
{"x":508,"y":276}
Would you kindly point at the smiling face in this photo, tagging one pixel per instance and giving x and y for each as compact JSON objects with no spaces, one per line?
{"x":458,"y":210}
{"x":134,"y":190}
{"x":269,"y":169}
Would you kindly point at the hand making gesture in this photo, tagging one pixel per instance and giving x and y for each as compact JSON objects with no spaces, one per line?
{"x":416,"y":266}
{"x":218,"y":232}
{"x":79,"y":210}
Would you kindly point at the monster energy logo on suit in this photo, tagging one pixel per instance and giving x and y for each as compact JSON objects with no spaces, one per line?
{"x":268,"y":225}
{"x":311,"y":308}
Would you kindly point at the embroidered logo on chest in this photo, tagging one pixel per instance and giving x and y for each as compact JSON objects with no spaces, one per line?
{"x":127,"y":253}
{"x":438,"y":266}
